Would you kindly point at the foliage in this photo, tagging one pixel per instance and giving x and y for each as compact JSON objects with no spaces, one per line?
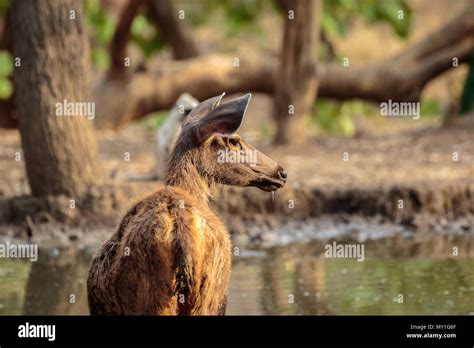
{"x":6,"y":62}
{"x":6,"y":69}
{"x":102,"y":26}
{"x":429,"y":107}
{"x":144,"y":35}
{"x":467,"y":99}
{"x":265,"y":131}
{"x":337,"y":118}
{"x":336,"y":17}
{"x":4,"y":5}
{"x":101,"y":30}
{"x":338,"y":14}
{"x":155,"y":120}
{"x":334,"y":117}
{"x":238,"y":15}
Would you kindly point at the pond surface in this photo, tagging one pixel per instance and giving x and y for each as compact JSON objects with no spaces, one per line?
{"x":398,"y":276}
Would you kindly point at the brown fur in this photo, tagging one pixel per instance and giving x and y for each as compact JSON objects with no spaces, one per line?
{"x":171,"y":254}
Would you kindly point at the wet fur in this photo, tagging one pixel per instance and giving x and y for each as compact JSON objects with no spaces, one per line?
{"x":175,"y":254}
{"x":179,"y":252}
{"x":171,"y":254}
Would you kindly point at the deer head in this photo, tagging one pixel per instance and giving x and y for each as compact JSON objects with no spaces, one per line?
{"x":209,"y":150}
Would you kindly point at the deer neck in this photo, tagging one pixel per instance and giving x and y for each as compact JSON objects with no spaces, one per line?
{"x":182,"y":173}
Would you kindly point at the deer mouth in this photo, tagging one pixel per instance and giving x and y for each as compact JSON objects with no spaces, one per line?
{"x":268,"y":184}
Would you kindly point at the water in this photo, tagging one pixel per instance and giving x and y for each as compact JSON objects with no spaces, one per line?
{"x":321,"y":286}
{"x":291,"y":279}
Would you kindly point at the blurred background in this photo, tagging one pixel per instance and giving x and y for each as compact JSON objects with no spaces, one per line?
{"x":319,"y":72}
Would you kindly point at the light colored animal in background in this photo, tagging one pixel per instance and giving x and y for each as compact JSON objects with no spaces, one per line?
{"x":169,"y":132}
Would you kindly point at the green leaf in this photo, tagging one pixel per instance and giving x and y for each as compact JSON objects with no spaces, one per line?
{"x":4,"y":5}
{"x":100,"y":58}
{"x":144,"y":35}
{"x":467,"y":99}
{"x":429,"y":107}
{"x":6,"y":64}
{"x":99,"y":23}
{"x":140,"y":25}
{"x":6,"y":89}
{"x":346,"y":126}
{"x":338,"y":14}
{"x":331,"y":25}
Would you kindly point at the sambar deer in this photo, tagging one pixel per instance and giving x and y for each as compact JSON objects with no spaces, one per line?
{"x":171,"y":254}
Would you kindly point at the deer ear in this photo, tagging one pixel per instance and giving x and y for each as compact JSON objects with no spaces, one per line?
{"x":224,"y":119}
{"x":204,"y":108}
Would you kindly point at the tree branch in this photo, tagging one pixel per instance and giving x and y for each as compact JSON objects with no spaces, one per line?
{"x":174,"y":32}
{"x":118,"y":45}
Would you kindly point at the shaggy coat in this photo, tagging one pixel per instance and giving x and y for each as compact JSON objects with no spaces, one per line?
{"x":171,"y":254}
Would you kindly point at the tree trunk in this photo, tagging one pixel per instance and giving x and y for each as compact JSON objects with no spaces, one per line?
{"x":118,"y":45}
{"x":60,"y":151}
{"x":174,"y":32}
{"x":7,"y":120}
{"x":296,"y":83}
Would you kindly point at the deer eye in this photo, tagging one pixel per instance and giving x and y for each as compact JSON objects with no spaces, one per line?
{"x":234,"y":142}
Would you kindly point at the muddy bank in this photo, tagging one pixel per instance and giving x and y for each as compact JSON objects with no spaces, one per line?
{"x":397,"y":204}
{"x":253,"y":217}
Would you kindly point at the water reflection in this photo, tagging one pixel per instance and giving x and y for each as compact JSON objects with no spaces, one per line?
{"x":57,"y":284}
{"x":400,"y":276}
{"x":294,"y":280}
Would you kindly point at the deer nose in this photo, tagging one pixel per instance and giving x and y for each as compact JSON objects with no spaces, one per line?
{"x":282,"y":174}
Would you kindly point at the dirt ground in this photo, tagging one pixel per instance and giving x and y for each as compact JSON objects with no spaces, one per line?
{"x":394,"y":153}
{"x":366,"y":176}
